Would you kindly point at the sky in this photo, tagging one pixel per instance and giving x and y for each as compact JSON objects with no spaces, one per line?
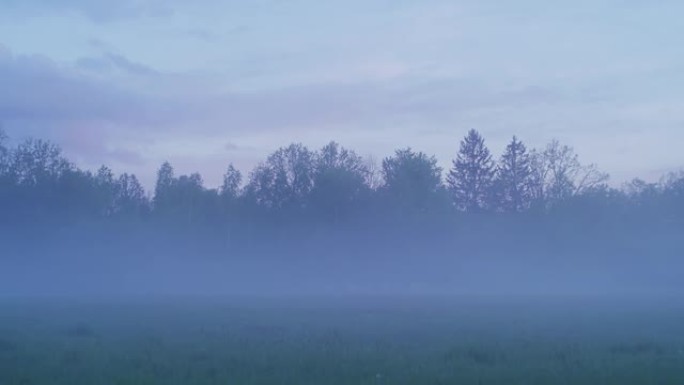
{"x":206,"y":83}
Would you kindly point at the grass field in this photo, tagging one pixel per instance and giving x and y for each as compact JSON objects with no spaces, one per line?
{"x":335,"y":341}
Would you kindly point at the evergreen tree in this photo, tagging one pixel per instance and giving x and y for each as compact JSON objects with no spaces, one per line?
{"x":471,"y":177}
{"x":513,"y":178}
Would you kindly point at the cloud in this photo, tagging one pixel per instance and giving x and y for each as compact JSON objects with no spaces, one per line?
{"x":95,"y":10}
{"x":94,"y":144}
{"x":112,"y":61}
{"x":230,"y":146}
{"x":357,"y":106}
{"x":36,"y":88}
{"x":112,"y":108}
{"x":201,"y":34}
{"x":99,"y":44}
{"x":125,"y":156}
{"x":234,"y":147}
{"x":208,"y":35}
{"x":141,"y":114}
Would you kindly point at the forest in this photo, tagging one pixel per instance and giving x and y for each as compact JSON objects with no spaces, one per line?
{"x":338,"y":217}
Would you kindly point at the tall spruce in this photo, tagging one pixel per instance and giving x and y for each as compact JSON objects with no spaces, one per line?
{"x":514,"y":178}
{"x":471,"y":177}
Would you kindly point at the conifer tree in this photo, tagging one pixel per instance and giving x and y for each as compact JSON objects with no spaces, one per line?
{"x":471,"y":177}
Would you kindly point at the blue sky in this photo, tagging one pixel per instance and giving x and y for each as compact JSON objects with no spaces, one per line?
{"x":204,"y":83}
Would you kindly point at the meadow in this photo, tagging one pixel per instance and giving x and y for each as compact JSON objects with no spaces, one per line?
{"x":341,"y":341}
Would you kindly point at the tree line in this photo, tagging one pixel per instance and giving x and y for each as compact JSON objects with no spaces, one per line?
{"x":527,"y":191}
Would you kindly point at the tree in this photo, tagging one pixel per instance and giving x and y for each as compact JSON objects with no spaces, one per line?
{"x":106,"y":190}
{"x":4,"y":154}
{"x":130,"y":198}
{"x":339,"y":181}
{"x":6,"y":184}
{"x":673,"y":195}
{"x":232,"y":179}
{"x":104,"y":176}
{"x":183,"y":199}
{"x":673,"y":184}
{"x":373,"y":177}
{"x":557,"y":174}
{"x":513,"y":181}
{"x":78,"y":195}
{"x":36,"y":162}
{"x":230,"y":193}
{"x":189,"y":199}
{"x":38,"y":177}
{"x":641,"y":194}
{"x":5,"y":181}
{"x":471,"y":177}
{"x":412,"y":179}
{"x":284,"y":180}
{"x":163,"y":187}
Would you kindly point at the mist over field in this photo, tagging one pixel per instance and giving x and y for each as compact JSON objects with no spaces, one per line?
{"x":532,"y":222}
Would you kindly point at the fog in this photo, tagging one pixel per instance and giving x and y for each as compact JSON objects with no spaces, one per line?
{"x":327,"y":222}
{"x":374,"y":260}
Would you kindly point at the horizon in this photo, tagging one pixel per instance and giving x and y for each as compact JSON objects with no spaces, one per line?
{"x":215,"y":181}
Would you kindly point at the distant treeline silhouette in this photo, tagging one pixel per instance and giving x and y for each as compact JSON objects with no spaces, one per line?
{"x":332,"y":202}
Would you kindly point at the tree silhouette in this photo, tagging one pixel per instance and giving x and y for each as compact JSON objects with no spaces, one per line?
{"x":163,"y":188}
{"x":412,"y":180}
{"x":471,"y":177}
{"x":513,"y":182}
{"x":339,"y":181}
{"x":232,"y":179}
{"x":558,"y":174}
{"x":130,"y":198}
{"x":36,"y":162}
{"x":191,"y":201}
{"x":285,"y":179}
{"x":4,"y":154}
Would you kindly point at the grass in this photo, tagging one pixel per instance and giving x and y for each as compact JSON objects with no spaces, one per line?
{"x":365,"y":342}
